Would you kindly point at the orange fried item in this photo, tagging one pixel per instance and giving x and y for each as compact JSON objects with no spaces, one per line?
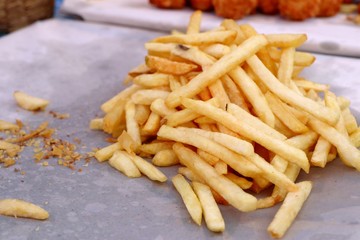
{"x":203,"y":5}
{"x":175,"y":4}
{"x":299,"y":10}
{"x":329,"y":8}
{"x":270,"y":7}
{"x":235,"y":9}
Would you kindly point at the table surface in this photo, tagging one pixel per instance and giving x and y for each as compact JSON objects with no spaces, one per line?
{"x":77,"y":66}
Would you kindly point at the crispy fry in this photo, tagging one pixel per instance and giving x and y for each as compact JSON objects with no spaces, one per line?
{"x":106,"y":153}
{"x":147,"y":96}
{"x":165,"y":158}
{"x":152,"y":80}
{"x":19,"y":208}
{"x":147,"y":168}
{"x":240,"y":181}
{"x":119,"y":98}
{"x":29,"y":102}
{"x":96,"y":124}
{"x":227,"y":189}
{"x":194,"y":23}
{"x":213,"y":218}
{"x":286,"y":40}
{"x":132,"y":126}
{"x":190,"y":199}
{"x":289,"y":210}
{"x":122,"y":162}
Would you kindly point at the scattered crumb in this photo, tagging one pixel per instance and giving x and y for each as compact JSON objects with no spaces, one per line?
{"x":59,"y":115}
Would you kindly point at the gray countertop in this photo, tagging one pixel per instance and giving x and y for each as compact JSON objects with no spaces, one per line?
{"x":77,"y":66}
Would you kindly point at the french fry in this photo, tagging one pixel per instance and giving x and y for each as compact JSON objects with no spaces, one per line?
{"x":147,"y":168}
{"x":212,"y":215}
{"x":230,"y":24}
{"x":142,"y":113}
{"x":220,"y":68}
{"x":320,"y":155}
{"x":284,"y":115}
{"x":236,"y":161}
{"x":140,"y":69}
{"x":155,"y":147}
{"x":300,"y":59}
{"x":307,"y":85}
{"x":235,"y":144}
{"x":147,"y":96}
{"x":19,"y":208}
{"x":122,"y":162}
{"x":273,"y":144}
{"x":106,"y":153}
{"x":199,"y":38}
{"x":236,"y":96}
{"x":348,"y":152}
{"x":164,"y":65}
{"x":132,"y":126}
{"x":286,"y":65}
{"x":355,"y":138}
{"x":115,"y":117}
{"x":289,"y":210}
{"x":241,"y":114}
{"x":152,"y":80}
{"x":96,"y":124}
{"x":165,"y":158}
{"x":221,"y":167}
{"x":119,"y":98}
{"x":209,"y":158}
{"x":159,"y":107}
{"x":190,"y":199}
{"x":152,"y":125}
{"x":286,"y":40}
{"x":216,"y":50}
{"x":194,"y":23}
{"x":227,"y":189}
{"x":4,"y":125}
{"x":349,"y":121}
{"x":286,"y":95}
{"x":29,"y":102}
{"x":254,"y":95}
{"x":127,"y":142}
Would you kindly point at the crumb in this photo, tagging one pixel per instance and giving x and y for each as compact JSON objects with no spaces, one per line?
{"x":59,"y":115}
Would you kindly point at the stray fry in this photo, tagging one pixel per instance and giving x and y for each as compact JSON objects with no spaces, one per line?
{"x":30,"y":103}
{"x":19,"y":208}
{"x":122,"y":162}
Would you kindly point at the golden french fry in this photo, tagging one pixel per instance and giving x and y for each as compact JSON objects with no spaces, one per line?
{"x":227,"y":189}
{"x":355,"y":138}
{"x":147,"y":96}
{"x":190,"y":199}
{"x":152,"y":80}
{"x":236,"y":161}
{"x":286,"y":40}
{"x":320,"y":155}
{"x":253,"y":95}
{"x":221,"y":167}
{"x":289,"y":210}
{"x":230,"y":24}
{"x":107,"y":152}
{"x":142,"y":113}
{"x":164,"y":65}
{"x":132,"y":126}
{"x":29,"y":102}
{"x":212,"y":215}
{"x":348,"y":152}
{"x":165,"y":158}
{"x":140,"y":69}
{"x":155,"y":147}
{"x":288,"y":96}
{"x":159,"y":107}
{"x":218,"y":69}
{"x":300,"y":59}
{"x":235,"y":95}
{"x":96,"y":124}
{"x":194,"y":23}
{"x":19,"y":208}
{"x":4,"y":125}
{"x":235,"y":144}
{"x":119,"y":98}
{"x":277,"y":146}
{"x":241,"y":114}
{"x":286,"y":65}
{"x":147,"y":168}
{"x":127,"y":142}
{"x":199,"y":38}
{"x":349,"y":121}
{"x":115,"y":117}
{"x":307,"y":85}
{"x":284,"y":115}
{"x":152,"y":125}
{"x":122,"y":162}
{"x":209,"y":158}
{"x":216,"y":50}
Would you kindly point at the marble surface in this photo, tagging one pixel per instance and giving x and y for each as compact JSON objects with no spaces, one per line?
{"x":77,"y":66}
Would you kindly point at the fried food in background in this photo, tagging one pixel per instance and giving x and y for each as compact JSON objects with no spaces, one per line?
{"x":329,"y":8}
{"x":203,"y":5}
{"x":270,"y":7}
{"x":299,"y":10}
{"x":175,"y":4}
{"x":234,"y":9}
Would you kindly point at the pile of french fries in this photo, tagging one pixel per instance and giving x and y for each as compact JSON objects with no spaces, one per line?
{"x":229,"y":107}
